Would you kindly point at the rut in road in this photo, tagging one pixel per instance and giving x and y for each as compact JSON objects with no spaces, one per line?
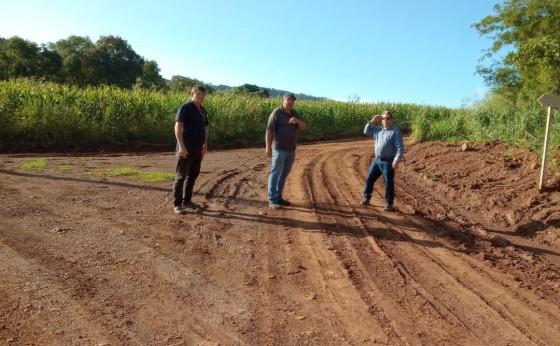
{"x":411,"y":280}
{"x":104,"y":260}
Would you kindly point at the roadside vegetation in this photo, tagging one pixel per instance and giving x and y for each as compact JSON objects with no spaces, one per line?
{"x":50,"y":116}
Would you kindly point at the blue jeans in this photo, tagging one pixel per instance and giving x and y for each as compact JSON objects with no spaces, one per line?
{"x":282,"y":161}
{"x":381,"y":168}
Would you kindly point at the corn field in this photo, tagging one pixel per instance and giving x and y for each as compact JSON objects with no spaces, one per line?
{"x":47,"y":116}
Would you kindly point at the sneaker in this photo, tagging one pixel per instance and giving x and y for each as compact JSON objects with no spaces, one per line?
{"x":365,"y":201}
{"x":191,"y":205}
{"x":274,"y":205}
{"x":388,"y":207}
{"x":178,"y":209}
{"x":284,"y":203}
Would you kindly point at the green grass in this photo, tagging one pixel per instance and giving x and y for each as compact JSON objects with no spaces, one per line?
{"x":126,"y":171}
{"x":65,"y":168}
{"x":34,"y":165}
{"x":148,"y":177}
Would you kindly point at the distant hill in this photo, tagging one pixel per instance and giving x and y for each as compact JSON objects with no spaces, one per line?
{"x":272,"y":92}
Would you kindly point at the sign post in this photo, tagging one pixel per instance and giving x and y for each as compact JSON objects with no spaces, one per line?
{"x":547,"y":101}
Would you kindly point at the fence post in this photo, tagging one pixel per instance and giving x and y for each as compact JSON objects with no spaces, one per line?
{"x":547,"y":101}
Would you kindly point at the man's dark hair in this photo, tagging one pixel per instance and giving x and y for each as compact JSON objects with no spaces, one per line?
{"x":198,"y":87}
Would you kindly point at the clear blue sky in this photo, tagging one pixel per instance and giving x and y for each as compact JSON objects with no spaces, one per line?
{"x":404,"y":51}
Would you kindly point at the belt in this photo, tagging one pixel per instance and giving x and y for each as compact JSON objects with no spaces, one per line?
{"x":385,"y":158}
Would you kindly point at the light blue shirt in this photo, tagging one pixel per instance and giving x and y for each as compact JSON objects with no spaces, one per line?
{"x":387,"y":142}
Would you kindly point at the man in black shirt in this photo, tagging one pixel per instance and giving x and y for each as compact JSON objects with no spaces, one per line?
{"x":191,"y":131}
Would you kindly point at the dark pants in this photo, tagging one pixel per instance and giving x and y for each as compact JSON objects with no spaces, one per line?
{"x":381,"y":168}
{"x":186,"y":173}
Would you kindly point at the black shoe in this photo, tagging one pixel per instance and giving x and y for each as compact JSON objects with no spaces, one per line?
{"x":284,"y":203}
{"x":365,"y":201}
{"x":191,"y":205}
{"x":388,"y":207}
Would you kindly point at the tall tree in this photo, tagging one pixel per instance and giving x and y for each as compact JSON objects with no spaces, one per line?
{"x":151,"y":79}
{"x":49,"y":64}
{"x":3,"y":61}
{"x":528,"y":31}
{"x":252,"y":90}
{"x":80,"y":63}
{"x":181,"y":84}
{"x":120,"y":65}
{"x":19,"y":58}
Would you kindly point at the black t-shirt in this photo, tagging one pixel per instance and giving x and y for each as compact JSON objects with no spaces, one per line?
{"x":194,"y":126}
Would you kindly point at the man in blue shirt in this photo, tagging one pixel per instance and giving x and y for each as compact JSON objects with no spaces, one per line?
{"x":191,"y":132}
{"x":389,"y":150}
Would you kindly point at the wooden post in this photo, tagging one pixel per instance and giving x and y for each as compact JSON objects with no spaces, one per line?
{"x":547,"y":101}
{"x":545,"y":148}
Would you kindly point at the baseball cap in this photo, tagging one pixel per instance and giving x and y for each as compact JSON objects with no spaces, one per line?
{"x":289,"y":95}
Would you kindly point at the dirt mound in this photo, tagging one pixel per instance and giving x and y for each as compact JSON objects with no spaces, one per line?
{"x":470,"y":257}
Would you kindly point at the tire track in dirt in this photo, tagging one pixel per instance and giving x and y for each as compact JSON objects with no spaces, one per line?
{"x":63,"y":296}
{"x":314,"y":188}
{"x":287,"y":275}
{"x":105,"y":261}
{"x":234,"y":196}
{"x":353,"y":246}
{"x":280,"y":274}
{"x":501,"y":248}
{"x":240,"y":195}
{"x":83,"y":281}
{"x":445,"y":309}
{"x":486,"y":283}
{"x":382,"y":229}
{"x":518,"y":322}
{"x":437,"y":306}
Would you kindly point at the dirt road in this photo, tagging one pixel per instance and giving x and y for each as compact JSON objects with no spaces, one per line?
{"x":471,"y":257}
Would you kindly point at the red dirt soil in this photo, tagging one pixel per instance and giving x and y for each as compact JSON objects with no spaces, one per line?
{"x":470,"y":257}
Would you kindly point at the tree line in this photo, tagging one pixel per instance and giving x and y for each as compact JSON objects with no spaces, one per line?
{"x":78,"y":61}
{"x":522,"y":64}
